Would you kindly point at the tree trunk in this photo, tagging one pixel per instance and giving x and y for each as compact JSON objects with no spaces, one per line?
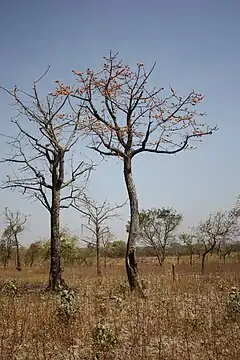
{"x":55,"y":267}
{"x":18,"y":262}
{"x":191,"y":258}
{"x":163,"y":256}
{"x":157,"y":253}
{"x":31,"y":261}
{"x":159,"y":258}
{"x":224,"y":258}
{"x":55,"y":276}
{"x":7,"y":258}
{"x":133,"y":235}
{"x":5,"y":261}
{"x":105,"y":259}
{"x":178,"y":260}
{"x":98,"y":250}
{"x":207,"y":251}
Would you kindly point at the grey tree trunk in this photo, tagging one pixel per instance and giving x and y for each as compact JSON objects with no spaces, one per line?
{"x":55,"y":266}
{"x":18,"y":262}
{"x":98,"y":250}
{"x":134,"y":230}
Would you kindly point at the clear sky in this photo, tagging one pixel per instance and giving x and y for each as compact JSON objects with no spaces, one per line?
{"x":196,"y":45}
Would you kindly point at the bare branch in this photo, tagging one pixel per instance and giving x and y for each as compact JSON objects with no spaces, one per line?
{"x":169,"y":152}
{"x":96,"y":214}
{"x":39,"y":150}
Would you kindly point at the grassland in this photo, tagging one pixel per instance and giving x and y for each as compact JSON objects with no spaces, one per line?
{"x":182,"y":319}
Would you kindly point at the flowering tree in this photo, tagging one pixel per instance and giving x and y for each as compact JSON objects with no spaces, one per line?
{"x":124,"y":118}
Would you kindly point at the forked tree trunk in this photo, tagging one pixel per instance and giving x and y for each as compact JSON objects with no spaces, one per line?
{"x":55,"y":266}
{"x":134,"y":230}
{"x":225,"y":255}
{"x":159,"y":258}
{"x":157,"y":253}
{"x":204,"y":256}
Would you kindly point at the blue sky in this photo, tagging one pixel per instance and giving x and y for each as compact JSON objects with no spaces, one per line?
{"x":195,"y":44}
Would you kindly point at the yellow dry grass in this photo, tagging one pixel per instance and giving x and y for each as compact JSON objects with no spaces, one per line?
{"x":182,"y":319}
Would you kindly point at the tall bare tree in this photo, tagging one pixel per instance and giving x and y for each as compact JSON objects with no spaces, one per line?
{"x":15,"y":225}
{"x":124,"y":118}
{"x":217,"y":227}
{"x":97,"y":216}
{"x":47,"y":131}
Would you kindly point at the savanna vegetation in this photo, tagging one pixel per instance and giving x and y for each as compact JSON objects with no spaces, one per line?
{"x":162,"y":294}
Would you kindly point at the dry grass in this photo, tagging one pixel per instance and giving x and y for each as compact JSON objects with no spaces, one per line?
{"x":185,"y":319}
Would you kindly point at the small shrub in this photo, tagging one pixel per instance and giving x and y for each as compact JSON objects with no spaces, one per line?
{"x":120,"y":289}
{"x":104,"y":339}
{"x":233,"y":304}
{"x":67,"y":307}
{"x":10,"y":287}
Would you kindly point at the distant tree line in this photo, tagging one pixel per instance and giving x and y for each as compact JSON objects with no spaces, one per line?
{"x":160,"y":238}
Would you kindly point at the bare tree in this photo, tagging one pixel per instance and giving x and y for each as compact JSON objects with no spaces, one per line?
{"x":15,"y":225}
{"x":225,"y":249}
{"x":125,"y":118}
{"x":97,"y":216}
{"x":107,"y":239}
{"x":46,"y":135}
{"x":32,"y":253}
{"x":157,"y":228}
{"x":215,"y":229}
{"x":6,"y":248}
{"x":189,"y":241}
{"x":85,"y":255}
{"x":180,"y":251}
